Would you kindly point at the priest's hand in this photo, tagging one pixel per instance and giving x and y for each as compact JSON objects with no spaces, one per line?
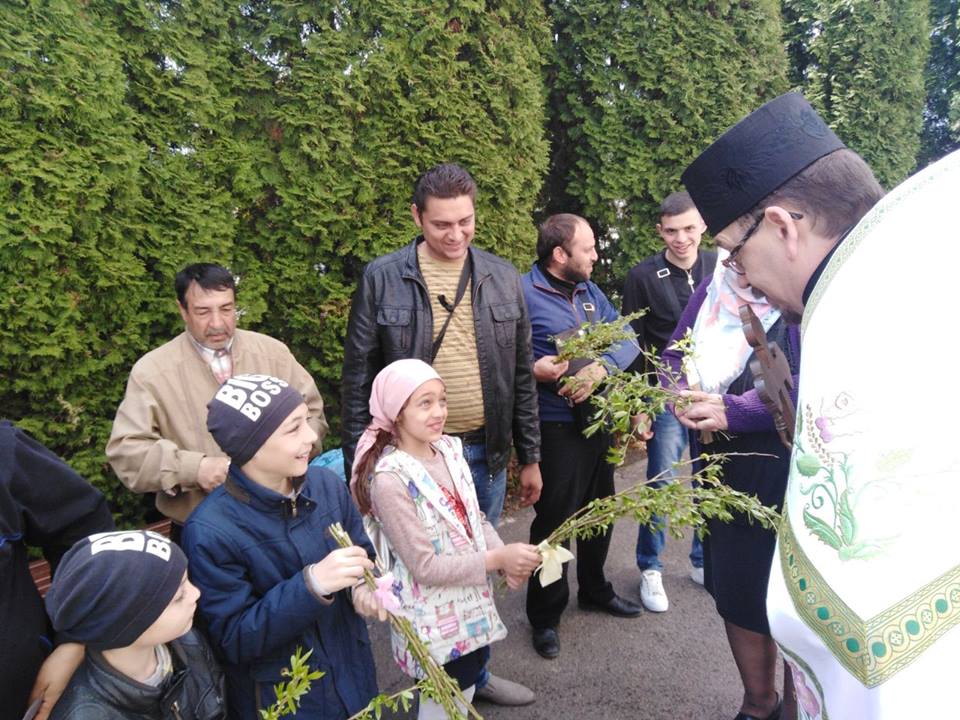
{"x":701,"y":411}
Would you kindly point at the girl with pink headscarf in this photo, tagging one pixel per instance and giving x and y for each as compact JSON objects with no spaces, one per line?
{"x":413,"y":484}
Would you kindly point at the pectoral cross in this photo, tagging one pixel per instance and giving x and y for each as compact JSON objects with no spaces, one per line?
{"x":771,"y":375}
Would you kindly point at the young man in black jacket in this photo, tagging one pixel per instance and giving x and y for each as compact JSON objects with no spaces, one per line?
{"x":662,"y":284}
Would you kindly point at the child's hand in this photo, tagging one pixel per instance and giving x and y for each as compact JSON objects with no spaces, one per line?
{"x":515,"y":582}
{"x":517,"y":559}
{"x":341,"y":569}
{"x":366,"y":603}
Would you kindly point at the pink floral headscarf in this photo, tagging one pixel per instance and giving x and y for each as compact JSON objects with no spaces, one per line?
{"x":392,"y":387}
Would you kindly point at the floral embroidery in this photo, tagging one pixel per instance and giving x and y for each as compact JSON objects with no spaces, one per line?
{"x":822,"y":458}
{"x":808,"y":693}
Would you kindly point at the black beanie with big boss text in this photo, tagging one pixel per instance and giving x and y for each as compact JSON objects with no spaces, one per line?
{"x":246,"y":410}
{"x":110,"y":587}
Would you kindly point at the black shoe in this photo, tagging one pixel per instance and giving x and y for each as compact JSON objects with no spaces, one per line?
{"x":775,"y":715}
{"x":621,"y":607}
{"x":546,"y":642}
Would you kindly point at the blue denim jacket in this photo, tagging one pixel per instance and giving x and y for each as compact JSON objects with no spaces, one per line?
{"x":551,"y":313}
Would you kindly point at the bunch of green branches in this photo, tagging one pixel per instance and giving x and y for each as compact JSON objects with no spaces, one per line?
{"x":288,"y":693}
{"x":436,"y":684}
{"x":690,"y":501}
{"x":694,"y":497}
{"x":621,"y":397}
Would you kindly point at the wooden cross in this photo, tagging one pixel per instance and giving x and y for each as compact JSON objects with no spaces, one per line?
{"x":771,"y":375}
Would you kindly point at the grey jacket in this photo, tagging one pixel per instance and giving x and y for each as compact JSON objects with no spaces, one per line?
{"x":193,"y":692}
{"x":391,"y":319}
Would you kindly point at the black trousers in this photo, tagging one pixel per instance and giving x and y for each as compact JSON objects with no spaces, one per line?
{"x":575,"y":471}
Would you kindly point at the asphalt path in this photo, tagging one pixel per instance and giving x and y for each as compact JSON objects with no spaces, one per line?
{"x":659,"y":666}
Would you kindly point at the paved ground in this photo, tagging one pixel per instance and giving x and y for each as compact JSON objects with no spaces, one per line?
{"x":674,"y":665}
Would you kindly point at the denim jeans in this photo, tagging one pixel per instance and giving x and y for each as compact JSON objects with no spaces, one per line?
{"x":491,"y":491}
{"x":663,"y":449}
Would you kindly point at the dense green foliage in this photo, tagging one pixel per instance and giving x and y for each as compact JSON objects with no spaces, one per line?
{"x":638,"y":89}
{"x":282,"y":138}
{"x":860,"y":62}
{"x":73,"y":289}
{"x":941,"y":118}
{"x":279,"y":138}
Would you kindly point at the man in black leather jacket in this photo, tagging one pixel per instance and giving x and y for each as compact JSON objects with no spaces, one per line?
{"x":462,"y":310}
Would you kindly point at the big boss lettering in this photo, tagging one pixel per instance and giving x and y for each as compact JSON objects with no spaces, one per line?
{"x":146,"y":541}
{"x":249,"y":393}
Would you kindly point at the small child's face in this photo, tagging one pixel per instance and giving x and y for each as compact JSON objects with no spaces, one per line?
{"x":425,"y":414}
{"x":286,"y":453}
{"x":176,"y":620}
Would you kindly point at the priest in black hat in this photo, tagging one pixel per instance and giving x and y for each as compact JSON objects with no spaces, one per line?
{"x":864,"y":592}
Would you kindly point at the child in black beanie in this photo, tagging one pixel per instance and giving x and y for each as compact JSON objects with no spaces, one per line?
{"x":271,"y":577}
{"x":126,"y":596}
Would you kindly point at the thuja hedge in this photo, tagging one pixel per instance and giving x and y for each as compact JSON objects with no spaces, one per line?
{"x":861,"y":63}
{"x":638,"y":89}
{"x":280,"y":138}
{"x":941,"y":117}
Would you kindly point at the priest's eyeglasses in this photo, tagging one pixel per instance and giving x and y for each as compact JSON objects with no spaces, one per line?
{"x":731,"y":260}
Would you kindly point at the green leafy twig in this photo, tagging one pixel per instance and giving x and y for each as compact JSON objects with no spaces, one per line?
{"x":401,"y":700}
{"x":678,"y":503}
{"x":437,"y":684}
{"x":288,"y":693}
{"x":592,"y":340}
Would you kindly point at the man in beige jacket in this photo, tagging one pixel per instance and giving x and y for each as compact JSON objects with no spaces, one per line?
{"x":159,"y":441}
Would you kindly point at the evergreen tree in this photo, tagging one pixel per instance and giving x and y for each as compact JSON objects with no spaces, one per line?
{"x":69,"y":168}
{"x":366,"y":96}
{"x":638,"y":89}
{"x":277,"y":137}
{"x":941,"y":117}
{"x":860,"y":62}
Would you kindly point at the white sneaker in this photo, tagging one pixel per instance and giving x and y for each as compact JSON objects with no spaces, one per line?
{"x":652,"y":594}
{"x":696,"y":574}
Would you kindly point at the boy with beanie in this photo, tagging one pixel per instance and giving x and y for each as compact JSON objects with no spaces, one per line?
{"x":126,"y":597}
{"x":271,"y":577}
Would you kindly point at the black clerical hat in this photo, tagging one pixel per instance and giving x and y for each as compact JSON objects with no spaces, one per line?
{"x":755,"y":157}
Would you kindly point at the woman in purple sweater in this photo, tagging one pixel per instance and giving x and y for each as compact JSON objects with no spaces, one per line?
{"x":738,"y":554}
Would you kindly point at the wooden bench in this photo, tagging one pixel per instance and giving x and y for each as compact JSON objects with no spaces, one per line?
{"x":40,"y":569}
